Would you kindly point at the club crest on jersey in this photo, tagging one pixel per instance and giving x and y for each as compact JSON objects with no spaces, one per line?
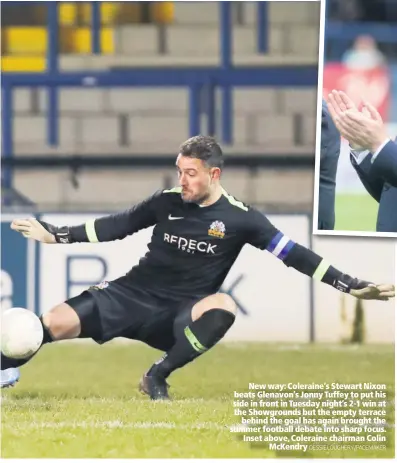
{"x":101,"y":285}
{"x":217,"y":229}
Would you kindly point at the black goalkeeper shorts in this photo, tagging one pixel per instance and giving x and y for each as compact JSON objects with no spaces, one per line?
{"x":118,"y":309}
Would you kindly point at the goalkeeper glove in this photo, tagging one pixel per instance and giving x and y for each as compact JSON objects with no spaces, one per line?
{"x":42,"y":231}
{"x":364,"y":289}
{"x":61,"y":234}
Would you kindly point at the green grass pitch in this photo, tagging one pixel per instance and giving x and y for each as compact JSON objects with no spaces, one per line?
{"x":79,"y":400}
{"x":355,"y":212}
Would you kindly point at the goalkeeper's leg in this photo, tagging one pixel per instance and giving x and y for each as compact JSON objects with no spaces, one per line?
{"x":206,"y":324}
{"x":64,"y":322}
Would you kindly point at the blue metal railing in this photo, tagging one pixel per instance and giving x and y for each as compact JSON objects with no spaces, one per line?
{"x":96,"y":28}
{"x":201,"y":82}
{"x":52,"y":70}
{"x":226,"y":29}
{"x":262,"y":27}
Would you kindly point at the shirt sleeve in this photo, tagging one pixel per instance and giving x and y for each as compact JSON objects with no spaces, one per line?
{"x":120,"y":225}
{"x":264,"y":235}
{"x":375,"y":155}
{"x":358,"y":155}
{"x":362,"y":165}
{"x":385,"y":163}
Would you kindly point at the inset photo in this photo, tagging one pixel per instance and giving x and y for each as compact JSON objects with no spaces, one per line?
{"x":356,"y":151}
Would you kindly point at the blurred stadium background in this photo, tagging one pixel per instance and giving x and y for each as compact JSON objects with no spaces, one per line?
{"x":97,"y":97}
{"x":360,"y":57}
{"x":127,"y":91}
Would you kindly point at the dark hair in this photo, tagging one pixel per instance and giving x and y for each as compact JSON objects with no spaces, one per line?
{"x":204,"y":148}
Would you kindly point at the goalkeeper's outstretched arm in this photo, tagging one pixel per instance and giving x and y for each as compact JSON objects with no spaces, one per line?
{"x":264,"y":235}
{"x":308,"y":262}
{"x":108,"y":228}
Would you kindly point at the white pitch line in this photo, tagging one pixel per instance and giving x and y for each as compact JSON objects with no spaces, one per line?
{"x":113,"y":425}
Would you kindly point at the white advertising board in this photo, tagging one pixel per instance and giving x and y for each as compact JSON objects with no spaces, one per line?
{"x":274,"y":300}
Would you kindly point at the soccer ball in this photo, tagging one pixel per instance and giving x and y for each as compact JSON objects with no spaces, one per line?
{"x":21,"y":333}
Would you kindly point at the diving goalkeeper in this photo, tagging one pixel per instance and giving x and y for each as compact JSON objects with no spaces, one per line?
{"x":171,"y":299}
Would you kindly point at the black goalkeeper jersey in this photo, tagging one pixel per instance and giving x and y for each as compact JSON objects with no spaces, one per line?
{"x":192,"y":247}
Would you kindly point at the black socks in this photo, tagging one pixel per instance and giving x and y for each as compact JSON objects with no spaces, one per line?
{"x":7,"y":362}
{"x":198,"y":337}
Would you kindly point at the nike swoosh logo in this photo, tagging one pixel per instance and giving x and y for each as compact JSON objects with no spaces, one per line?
{"x":170,"y":217}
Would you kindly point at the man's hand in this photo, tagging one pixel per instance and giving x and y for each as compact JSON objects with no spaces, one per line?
{"x":31,"y":228}
{"x":381,"y":292}
{"x":338,"y":102}
{"x":362,"y":129}
{"x":370,"y":133}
